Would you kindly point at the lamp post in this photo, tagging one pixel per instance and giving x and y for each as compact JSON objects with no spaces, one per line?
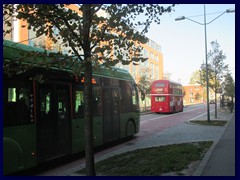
{"x":205,"y":33}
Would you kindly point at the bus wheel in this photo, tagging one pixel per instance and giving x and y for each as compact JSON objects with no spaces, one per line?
{"x":174,"y":109}
{"x":130,"y":129}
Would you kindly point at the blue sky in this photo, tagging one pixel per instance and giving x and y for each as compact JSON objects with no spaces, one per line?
{"x":183,"y":42}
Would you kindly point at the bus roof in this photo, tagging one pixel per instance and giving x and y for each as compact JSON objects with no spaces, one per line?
{"x":165,"y":81}
{"x":21,"y":53}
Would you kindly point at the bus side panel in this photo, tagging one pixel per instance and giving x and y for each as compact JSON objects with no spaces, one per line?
{"x":153,"y":104}
{"x":19,"y":148}
{"x":98,"y":131}
{"x":78,"y":137}
{"x":78,"y":133}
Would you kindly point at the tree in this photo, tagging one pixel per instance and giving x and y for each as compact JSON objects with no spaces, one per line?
{"x":229,"y":89}
{"x":197,"y":96}
{"x":167,"y":76}
{"x":92,"y":39}
{"x":195,"y":77}
{"x":229,"y":85}
{"x":145,"y":85}
{"x":216,"y":69}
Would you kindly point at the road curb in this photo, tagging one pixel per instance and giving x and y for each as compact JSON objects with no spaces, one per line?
{"x":202,"y":165}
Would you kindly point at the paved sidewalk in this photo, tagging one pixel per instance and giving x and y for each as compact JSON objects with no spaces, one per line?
{"x":222,"y":160}
{"x":220,"y":155}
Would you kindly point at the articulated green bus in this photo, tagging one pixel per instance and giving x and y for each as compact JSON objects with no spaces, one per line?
{"x":44,"y":120}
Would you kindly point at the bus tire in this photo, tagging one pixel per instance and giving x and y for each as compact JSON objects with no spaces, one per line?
{"x":174,"y":110}
{"x":13,"y":150}
{"x":130,"y":129}
{"x":181,"y":110}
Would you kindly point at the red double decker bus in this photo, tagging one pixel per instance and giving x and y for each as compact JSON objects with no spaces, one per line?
{"x":166,"y":97}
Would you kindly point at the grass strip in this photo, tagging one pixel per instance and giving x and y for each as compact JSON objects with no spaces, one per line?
{"x":210,"y":123}
{"x":152,"y":161}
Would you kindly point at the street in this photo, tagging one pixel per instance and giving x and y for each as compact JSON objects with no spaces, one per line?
{"x":153,"y":122}
{"x":151,"y":134}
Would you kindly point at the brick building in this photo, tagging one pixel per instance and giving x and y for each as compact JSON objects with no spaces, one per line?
{"x":193,"y":93}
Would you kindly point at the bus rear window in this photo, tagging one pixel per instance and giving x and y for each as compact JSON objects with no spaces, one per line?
{"x":160,"y":99}
{"x":160,"y":85}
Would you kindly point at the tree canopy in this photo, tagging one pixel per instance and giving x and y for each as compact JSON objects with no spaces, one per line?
{"x":216,"y":67}
{"x":110,"y":33}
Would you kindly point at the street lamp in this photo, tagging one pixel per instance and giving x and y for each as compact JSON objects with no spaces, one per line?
{"x":205,"y":32}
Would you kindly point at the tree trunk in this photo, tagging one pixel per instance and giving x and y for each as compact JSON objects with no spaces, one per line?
{"x":215,"y":104}
{"x":89,"y":143}
{"x":88,"y":115}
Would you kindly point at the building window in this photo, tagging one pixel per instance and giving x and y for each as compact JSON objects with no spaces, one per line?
{"x":157,"y":72}
{"x":196,"y":87}
{"x":151,"y":55}
{"x":145,"y":53}
{"x":158,"y":48}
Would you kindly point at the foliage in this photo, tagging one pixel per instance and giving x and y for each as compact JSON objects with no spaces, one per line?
{"x":229,"y":85}
{"x":167,"y":76}
{"x":195,"y":78}
{"x":198,"y":96}
{"x":184,"y":91}
{"x":109,"y":33}
{"x":145,"y":82}
{"x":216,"y":67}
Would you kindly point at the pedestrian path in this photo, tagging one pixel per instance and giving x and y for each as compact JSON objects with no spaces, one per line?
{"x":222,"y":159}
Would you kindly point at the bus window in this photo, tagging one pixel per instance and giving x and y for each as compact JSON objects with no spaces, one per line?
{"x":126,"y":104}
{"x":45,"y":102}
{"x":160,"y":85}
{"x":18,"y":107}
{"x":79,"y":105}
{"x":160,"y":99}
{"x":12,"y":95}
{"x":135,"y":101}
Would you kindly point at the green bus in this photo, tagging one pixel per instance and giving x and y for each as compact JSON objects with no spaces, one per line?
{"x":44,"y":120}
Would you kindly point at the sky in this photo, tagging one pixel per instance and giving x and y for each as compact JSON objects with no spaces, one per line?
{"x":183,"y":42}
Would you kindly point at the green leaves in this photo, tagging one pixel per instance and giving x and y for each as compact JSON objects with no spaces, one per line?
{"x":115,"y":32}
{"x":216,"y":67}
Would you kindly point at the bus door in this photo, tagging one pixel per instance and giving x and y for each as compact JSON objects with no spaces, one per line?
{"x":53,"y":121}
{"x":111,"y":116}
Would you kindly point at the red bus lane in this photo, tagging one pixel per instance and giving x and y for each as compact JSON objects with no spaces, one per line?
{"x":156,"y":125}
